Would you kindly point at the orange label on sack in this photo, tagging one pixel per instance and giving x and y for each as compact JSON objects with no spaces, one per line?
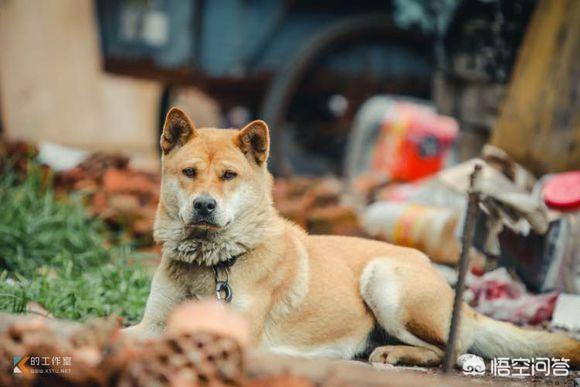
{"x":406,"y":227}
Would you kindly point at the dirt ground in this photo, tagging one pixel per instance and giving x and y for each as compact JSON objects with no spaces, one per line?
{"x":573,"y":377}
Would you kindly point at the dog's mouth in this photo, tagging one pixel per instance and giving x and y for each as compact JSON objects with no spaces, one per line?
{"x":204,"y":224}
{"x":203,"y":229}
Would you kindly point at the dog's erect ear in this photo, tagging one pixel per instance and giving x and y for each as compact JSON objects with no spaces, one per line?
{"x":254,"y":140}
{"x":177,"y":130}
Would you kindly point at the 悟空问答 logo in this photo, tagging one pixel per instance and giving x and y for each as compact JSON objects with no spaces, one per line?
{"x":471,"y":364}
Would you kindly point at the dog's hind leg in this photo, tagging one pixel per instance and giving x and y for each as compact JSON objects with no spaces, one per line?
{"x":413,"y":303}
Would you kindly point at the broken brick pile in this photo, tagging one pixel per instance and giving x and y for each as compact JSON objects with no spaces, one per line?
{"x":316,"y":205}
{"x":16,"y":154}
{"x":100,"y":354}
{"x":118,"y":193}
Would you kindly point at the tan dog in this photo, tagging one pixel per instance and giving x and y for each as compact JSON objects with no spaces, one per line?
{"x":303,"y":295}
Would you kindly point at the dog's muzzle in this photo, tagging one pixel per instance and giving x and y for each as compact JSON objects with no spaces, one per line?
{"x":204,"y":208}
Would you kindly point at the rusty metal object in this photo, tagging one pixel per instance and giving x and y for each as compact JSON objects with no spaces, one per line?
{"x":466,"y":242}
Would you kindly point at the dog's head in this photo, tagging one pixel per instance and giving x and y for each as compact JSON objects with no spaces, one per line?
{"x":212,"y":178}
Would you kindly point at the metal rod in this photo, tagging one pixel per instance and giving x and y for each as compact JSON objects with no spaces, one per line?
{"x":466,"y":241}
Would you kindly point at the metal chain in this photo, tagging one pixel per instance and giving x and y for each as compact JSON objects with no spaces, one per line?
{"x":222,"y":286}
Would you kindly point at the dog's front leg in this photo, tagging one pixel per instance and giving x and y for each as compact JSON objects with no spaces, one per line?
{"x":164,"y":296}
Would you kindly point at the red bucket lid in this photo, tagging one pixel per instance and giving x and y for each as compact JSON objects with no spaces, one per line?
{"x":563,"y":190}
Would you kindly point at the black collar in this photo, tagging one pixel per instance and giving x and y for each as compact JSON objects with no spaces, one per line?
{"x":228,"y":263}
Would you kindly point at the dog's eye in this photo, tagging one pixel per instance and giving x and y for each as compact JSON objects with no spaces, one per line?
{"x":189,"y":172}
{"x":229,"y":175}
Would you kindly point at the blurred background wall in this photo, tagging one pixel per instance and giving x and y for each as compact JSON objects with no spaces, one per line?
{"x":99,"y":74}
{"x":51,"y":59}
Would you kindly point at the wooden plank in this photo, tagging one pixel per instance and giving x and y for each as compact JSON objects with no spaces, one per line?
{"x":539,"y":123}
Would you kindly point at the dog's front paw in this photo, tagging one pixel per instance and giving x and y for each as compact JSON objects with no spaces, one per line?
{"x":143,"y":332}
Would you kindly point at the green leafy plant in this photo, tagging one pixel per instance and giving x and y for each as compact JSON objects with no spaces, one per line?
{"x":53,"y":253}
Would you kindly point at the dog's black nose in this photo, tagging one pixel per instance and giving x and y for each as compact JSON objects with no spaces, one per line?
{"x":204,"y":205}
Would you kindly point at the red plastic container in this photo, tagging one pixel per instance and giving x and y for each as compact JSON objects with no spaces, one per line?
{"x":413,"y":142}
{"x":563,"y":191}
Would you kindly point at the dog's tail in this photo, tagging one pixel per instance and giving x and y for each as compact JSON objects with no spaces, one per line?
{"x":500,"y":339}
